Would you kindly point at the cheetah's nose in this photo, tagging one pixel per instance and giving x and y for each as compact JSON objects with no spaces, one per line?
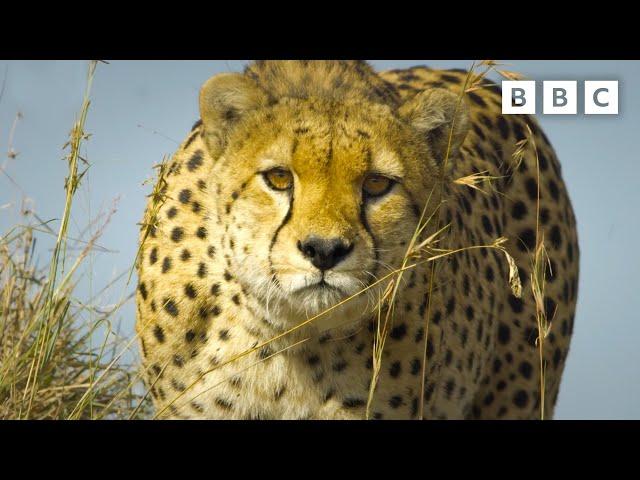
{"x":324,"y":253}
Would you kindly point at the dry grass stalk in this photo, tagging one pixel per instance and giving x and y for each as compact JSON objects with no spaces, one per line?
{"x":158,"y":197}
{"x":480,"y":181}
{"x":477,"y":80}
{"x":11,"y":152}
{"x":539,"y":264}
{"x":519,"y":153}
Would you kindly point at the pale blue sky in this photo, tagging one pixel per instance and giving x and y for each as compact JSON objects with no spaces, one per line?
{"x":133,"y":99}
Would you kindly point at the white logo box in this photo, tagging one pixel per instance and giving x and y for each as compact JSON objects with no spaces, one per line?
{"x":560,"y":97}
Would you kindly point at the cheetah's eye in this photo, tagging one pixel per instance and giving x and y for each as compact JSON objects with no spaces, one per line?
{"x":376,"y":185}
{"x":278,"y":179}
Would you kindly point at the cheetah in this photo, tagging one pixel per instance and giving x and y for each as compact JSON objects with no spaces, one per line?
{"x":269,"y":248}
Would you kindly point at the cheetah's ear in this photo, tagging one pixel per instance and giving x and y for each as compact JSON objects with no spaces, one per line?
{"x":224,"y":99}
{"x":434,"y":112}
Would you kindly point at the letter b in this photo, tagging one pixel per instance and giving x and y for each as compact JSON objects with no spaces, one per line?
{"x":518,"y":96}
{"x":560,"y":97}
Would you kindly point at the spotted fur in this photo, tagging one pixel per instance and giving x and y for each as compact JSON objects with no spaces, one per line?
{"x":221,"y":273}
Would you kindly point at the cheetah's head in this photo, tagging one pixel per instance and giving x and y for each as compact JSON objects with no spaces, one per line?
{"x":319,"y":198}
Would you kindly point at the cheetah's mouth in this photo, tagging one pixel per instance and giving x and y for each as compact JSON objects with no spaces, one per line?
{"x":313,"y":292}
{"x":321,"y":285}
{"x":333,"y":296}
{"x":323,"y":290}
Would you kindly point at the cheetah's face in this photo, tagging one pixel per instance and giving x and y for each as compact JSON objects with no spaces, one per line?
{"x":319,"y":200}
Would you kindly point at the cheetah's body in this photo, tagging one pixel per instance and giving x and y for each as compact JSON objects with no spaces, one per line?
{"x":205,"y":333}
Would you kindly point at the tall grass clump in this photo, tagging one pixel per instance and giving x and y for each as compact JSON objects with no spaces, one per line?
{"x":60,"y":355}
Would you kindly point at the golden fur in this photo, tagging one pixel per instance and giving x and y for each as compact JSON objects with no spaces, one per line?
{"x":223,"y":272}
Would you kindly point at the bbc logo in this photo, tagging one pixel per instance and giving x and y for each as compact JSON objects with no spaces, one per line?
{"x":560,"y":97}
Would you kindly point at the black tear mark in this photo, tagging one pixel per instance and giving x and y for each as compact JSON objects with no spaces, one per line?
{"x":286,"y":219}
{"x":365,"y":224}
